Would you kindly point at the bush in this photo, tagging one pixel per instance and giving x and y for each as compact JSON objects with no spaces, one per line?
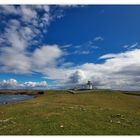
{"x":40,"y":92}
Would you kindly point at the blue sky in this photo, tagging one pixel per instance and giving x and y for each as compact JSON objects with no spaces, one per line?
{"x":63,"y":44}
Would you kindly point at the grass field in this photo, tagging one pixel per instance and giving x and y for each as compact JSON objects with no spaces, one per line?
{"x":62,"y":113}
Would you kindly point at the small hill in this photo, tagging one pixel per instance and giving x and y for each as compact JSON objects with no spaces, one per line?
{"x":63,"y":113}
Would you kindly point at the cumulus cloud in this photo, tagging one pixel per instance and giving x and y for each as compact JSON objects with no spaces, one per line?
{"x":14,"y":84}
{"x":19,"y":34}
{"x":13,"y":61}
{"x":118,"y":71}
{"x":24,"y":24}
{"x":11,"y":83}
{"x":8,"y":9}
{"x":21,"y":31}
{"x":77,"y":77}
{"x":46,"y":55}
{"x":28,"y":13}
{"x":31,"y":85}
{"x":57,"y":73}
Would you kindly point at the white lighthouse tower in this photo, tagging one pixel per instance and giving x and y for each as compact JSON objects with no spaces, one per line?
{"x":89,"y":85}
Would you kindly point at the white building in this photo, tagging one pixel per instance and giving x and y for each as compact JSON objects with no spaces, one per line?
{"x":89,"y":85}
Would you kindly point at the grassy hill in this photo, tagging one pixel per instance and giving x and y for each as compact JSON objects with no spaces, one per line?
{"x":62,"y":113}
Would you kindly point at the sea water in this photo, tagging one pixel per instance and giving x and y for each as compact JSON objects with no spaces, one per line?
{"x":4,"y":99}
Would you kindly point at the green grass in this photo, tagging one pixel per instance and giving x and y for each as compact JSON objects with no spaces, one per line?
{"x":62,"y":113}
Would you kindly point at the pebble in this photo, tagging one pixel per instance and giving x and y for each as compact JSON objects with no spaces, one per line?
{"x":4,"y":121}
{"x":118,"y":122}
{"x":61,"y":126}
{"x":71,"y":107}
{"x":111,"y":121}
{"x":13,"y":122}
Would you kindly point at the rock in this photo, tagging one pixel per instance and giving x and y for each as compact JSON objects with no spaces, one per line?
{"x":118,"y":122}
{"x":6,"y":120}
{"x":111,"y":121}
{"x":71,"y":107}
{"x":13,"y":122}
{"x":61,"y":126}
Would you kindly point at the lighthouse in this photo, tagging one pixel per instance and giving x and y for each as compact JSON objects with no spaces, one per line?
{"x":89,"y":85}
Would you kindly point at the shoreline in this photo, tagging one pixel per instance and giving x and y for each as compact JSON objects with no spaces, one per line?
{"x":22,"y":92}
{"x":8,"y":99}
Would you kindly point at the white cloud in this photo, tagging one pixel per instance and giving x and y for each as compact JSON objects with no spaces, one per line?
{"x":28,"y":13}
{"x":77,"y":77}
{"x":16,"y":61}
{"x":14,"y":84}
{"x":133,"y":46}
{"x":118,"y":72}
{"x":26,"y":20}
{"x":11,"y":83}
{"x":46,"y":55}
{"x":20,"y":33}
{"x":108,"y":56}
{"x":14,"y":56}
{"x":13,"y":36}
{"x":56,"y":73}
{"x":12,"y":60}
{"x":30,"y":84}
{"x":9,"y":9}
